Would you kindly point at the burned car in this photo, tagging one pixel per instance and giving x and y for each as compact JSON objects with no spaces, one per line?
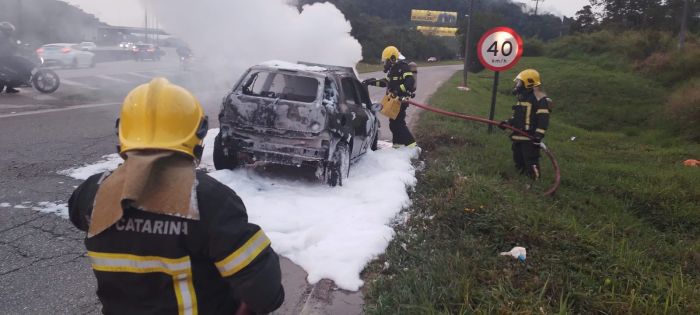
{"x":316,"y":116}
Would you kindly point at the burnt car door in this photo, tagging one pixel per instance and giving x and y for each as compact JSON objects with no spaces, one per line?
{"x":371,"y":122}
{"x":357,"y":115}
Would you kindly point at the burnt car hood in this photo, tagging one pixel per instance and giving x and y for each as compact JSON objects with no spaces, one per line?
{"x":260,"y":112}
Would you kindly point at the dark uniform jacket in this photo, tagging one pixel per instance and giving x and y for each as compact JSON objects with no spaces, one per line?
{"x":399,"y":80}
{"x":8,"y":47}
{"x":157,"y":264}
{"x":531,"y":115}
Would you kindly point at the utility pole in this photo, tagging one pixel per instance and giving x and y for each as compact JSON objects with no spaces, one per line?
{"x":465,"y":85}
{"x":537,"y":5}
{"x":684,"y":25}
{"x":20,"y":28}
{"x":145,"y":17}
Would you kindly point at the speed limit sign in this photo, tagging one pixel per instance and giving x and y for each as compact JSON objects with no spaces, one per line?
{"x":500,"y":48}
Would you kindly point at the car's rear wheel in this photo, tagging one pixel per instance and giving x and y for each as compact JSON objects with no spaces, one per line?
{"x":338,"y":170}
{"x":224,"y":158}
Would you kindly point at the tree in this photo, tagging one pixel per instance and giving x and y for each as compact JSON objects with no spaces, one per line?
{"x":585,"y":21}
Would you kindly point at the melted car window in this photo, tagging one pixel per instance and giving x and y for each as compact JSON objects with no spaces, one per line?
{"x":281,"y":85}
{"x":351,"y":96}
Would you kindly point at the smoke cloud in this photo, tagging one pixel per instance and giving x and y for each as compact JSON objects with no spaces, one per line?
{"x":232,"y":35}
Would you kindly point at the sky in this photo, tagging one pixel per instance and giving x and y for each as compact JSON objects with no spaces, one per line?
{"x":130,"y":12}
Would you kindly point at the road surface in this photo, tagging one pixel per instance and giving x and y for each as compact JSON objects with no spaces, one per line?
{"x":44,"y":269}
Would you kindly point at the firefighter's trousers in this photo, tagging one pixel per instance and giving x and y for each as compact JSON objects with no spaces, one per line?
{"x":400,"y":132}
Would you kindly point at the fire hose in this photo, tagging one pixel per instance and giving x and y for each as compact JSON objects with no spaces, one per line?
{"x":547,"y":151}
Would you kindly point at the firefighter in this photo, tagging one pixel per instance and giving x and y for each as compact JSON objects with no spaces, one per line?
{"x":400,"y":82}
{"x":530,"y":114}
{"x":8,"y":49}
{"x":163,"y":238}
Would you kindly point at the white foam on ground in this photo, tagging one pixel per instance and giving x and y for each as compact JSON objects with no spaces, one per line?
{"x":59,"y":209}
{"x":5,"y":205}
{"x":107,"y":163}
{"x":332,"y":233}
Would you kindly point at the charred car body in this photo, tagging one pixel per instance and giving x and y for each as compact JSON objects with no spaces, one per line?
{"x":299,"y":115}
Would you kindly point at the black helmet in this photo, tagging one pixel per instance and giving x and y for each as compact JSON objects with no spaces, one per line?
{"x":7,"y":28}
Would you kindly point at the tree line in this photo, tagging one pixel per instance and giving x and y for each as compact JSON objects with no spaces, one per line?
{"x":657,"y":15}
{"x":378,"y":23}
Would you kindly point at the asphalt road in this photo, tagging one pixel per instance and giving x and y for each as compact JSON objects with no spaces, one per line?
{"x":43,"y":267}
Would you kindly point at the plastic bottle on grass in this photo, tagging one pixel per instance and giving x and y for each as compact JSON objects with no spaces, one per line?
{"x":519,"y":253}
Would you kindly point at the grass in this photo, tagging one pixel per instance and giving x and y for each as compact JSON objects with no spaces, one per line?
{"x":619,"y":237}
{"x":363,"y":67}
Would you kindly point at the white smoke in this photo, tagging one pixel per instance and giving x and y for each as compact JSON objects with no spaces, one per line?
{"x":232,"y":35}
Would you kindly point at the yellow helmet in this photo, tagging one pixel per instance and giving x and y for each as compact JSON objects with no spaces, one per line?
{"x":162,"y":116}
{"x":530,"y":78}
{"x":390,"y":52}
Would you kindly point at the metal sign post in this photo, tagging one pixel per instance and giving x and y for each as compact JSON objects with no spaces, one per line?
{"x":493,"y":99}
{"x":499,"y":49}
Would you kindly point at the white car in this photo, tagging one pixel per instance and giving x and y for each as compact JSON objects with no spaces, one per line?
{"x":66,"y":55}
{"x":89,"y":46}
{"x":432,"y":59}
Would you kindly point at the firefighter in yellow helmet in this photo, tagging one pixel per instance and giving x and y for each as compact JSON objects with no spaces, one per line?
{"x":399,"y":82}
{"x":530,"y":114}
{"x":163,"y":238}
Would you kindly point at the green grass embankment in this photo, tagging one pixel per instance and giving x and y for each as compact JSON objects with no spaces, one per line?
{"x":619,"y":237}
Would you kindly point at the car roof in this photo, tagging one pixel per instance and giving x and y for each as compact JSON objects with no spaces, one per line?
{"x":306,"y":68}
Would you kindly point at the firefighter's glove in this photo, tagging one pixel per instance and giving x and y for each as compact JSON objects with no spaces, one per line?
{"x":503,"y":125}
{"x":413,"y":95}
{"x":369,"y":82}
{"x":537,"y":141}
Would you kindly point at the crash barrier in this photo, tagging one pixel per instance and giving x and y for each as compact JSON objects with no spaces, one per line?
{"x":550,"y":155}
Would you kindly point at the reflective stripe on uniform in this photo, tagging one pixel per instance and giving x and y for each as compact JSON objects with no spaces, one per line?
{"x":515,"y":137}
{"x":180,"y":269}
{"x":244,"y":255}
{"x":528,"y":112}
{"x":396,"y":78}
{"x":407,"y":74}
{"x":540,"y":130}
{"x":403,"y":87}
{"x":543,"y":111}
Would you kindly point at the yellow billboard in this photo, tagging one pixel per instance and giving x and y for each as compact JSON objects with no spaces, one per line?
{"x":435,"y":17}
{"x":438,"y":31}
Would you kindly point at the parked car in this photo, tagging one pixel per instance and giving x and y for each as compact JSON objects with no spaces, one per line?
{"x":66,"y":55}
{"x":88,"y":46}
{"x":317,"y":116}
{"x":126,"y":45}
{"x":147,"y":52}
{"x":432,"y":59}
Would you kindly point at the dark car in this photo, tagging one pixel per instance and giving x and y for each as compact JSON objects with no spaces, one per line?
{"x":316,"y":116}
{"x":147,"y":52}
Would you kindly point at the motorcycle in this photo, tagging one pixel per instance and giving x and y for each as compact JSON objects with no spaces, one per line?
{"x":185,"y":62}
{"x":42,"y":79}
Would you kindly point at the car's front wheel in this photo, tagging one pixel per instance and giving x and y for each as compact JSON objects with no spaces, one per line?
{"x":224,"y":159}
{"x":338,"y":170}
